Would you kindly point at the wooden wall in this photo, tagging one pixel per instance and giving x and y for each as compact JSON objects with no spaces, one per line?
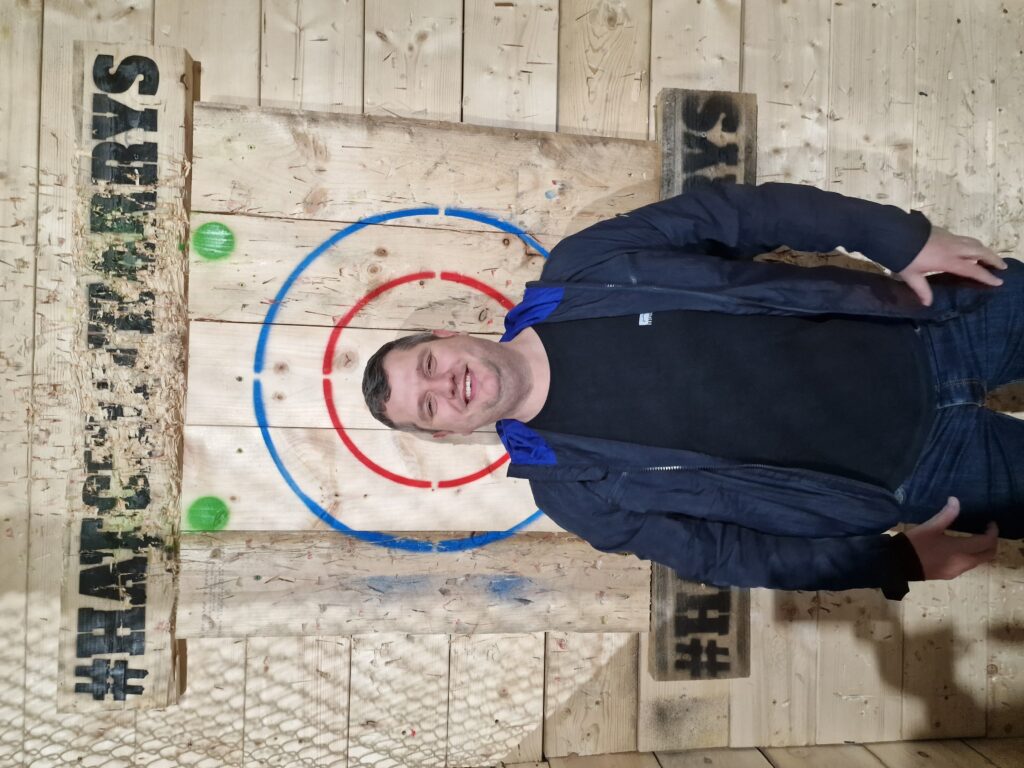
{"x":914,"y":103}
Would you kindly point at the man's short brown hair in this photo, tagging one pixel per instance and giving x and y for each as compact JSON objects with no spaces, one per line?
{"x":376,"y":388}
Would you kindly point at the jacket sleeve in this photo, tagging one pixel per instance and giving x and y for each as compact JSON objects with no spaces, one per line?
{"x":730,"y":555}
{"x":724,"y":554}
{"x":740,"y":221}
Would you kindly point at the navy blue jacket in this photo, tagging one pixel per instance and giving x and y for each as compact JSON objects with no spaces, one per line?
{"x":712,"y":520}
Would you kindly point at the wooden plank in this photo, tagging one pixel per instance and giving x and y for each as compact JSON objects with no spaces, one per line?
{"x":1005,"y":668}
{"x":296,"y":701}
{"x":944,"y":656}
{"x":50,"y":736}
{"x":603,"y":59}
{"x":399,"y":700}
{"x":776,"y":705}
{"x":860,"y":667}
{"x":928,"y":754}
{"x":954,"y":180}
{"x":870,"y":155}
{"x":1003,"y":753}
{"x":677,"y":715}
{"x":118,"y":596}
{"x":590,"y":693}
{"x":944,"y":623}
{"x":495,"y":699}
{"x":1009,"y":159}
{"x":224,"y":37}
{"x":845,"y":756}
{"x":238,"y":584}
{"x":510,"y":64}
{"x":713,"y":758}
{"x":871,"y":101}
{"x":234,"y":465}
{"x":785,"y":63}
{"x":621,"y":760}
{"x":240,"y":286}
{"x":412,"y":64}
{"x":205,"y":726}
{"x":221,"y":376}
{"x":312,"y":55}
{"x":19,"y":152}
{"x":346,"y":167}
{"x":695,"y":46}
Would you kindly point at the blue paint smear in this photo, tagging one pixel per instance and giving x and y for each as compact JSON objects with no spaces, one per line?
{"x":507,"y":587}
{"x":395,"y":584}
{"x":373,"y":537}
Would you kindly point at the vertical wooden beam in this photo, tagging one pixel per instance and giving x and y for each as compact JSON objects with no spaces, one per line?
{"x":296,"y":701}
{"x":945,"y":638}
{"x":413,"y":59}
{"x":224,"y":37}
{"x":495,"y":699}
{"x":399,"y":700}
{"x":785,"y":62}
{"x":590,"y":697}
{"x":205,"y":726}
{"x":19,"y":153}
{"x":870,"y":155}
{"x":603,"y":62}
{"x":696,"y":46}
{"x":510,"y":64}
{"x":312,"y":55}
{"x":55,"y":391}
{"x":776,"y":705}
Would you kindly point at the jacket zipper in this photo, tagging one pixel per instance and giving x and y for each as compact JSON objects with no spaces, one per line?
{"x":675,"y":468}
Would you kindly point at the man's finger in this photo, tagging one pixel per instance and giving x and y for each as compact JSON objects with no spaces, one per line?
{"x":975,"y":249}
{"x":945,"y":516}
{"x":919,"y":285}
{"x":976,"y":271}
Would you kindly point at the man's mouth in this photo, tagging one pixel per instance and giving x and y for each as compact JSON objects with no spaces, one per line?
{"x":467,"y":387}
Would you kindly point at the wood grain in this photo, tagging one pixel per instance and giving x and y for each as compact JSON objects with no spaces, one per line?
{"x":311,"y":55}
{"x":271,"y":584}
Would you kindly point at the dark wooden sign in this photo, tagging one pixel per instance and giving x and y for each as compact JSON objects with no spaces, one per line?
{"x":124,"y":297}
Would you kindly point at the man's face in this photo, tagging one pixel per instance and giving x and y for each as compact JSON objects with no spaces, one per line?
{"x":454,"y":383}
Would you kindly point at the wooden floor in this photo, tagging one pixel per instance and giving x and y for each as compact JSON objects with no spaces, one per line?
{"x":914,"y":103}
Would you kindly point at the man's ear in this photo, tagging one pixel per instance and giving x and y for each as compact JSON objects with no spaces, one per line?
{"x":441,"y":333}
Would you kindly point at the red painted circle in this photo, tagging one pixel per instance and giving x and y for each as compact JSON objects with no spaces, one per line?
{"x":365,"y":460}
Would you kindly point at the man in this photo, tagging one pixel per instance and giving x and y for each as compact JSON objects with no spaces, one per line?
{"x":749,"y":423}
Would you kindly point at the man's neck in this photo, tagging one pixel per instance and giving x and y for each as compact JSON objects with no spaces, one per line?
{"x":528,"y":344}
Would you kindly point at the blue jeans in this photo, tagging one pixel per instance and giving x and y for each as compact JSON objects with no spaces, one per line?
{"x":974,"y":453}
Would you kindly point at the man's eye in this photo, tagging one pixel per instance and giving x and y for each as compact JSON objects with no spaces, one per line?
{"x":430,"y":365}
{"x":430,"y":408}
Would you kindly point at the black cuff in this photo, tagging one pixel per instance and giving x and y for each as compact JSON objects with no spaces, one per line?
{"x":909,"y":565}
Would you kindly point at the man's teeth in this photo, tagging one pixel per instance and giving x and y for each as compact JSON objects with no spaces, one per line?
{"x":468,"y":388}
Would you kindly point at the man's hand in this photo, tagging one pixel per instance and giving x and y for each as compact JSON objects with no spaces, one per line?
{"x":946,"y":252}
{"x":946,"y":557}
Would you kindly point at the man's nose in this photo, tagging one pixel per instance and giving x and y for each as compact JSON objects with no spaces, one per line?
{"x":445,"y":386}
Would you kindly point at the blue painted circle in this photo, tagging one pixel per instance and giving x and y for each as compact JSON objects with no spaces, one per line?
{"x":373,"y":537}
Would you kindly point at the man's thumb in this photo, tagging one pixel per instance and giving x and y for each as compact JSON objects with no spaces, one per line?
{"x":946,"y":515}
{"x":919,"y":285}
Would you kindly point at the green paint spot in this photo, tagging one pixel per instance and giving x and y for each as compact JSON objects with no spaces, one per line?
{"x":207,"y":513}
{"x":213,"y":241}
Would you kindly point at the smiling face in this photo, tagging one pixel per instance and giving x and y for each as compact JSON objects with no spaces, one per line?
{"x":454,"y":383}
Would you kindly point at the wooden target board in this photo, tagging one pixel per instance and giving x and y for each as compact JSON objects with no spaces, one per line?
{"x":316,"y":238}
